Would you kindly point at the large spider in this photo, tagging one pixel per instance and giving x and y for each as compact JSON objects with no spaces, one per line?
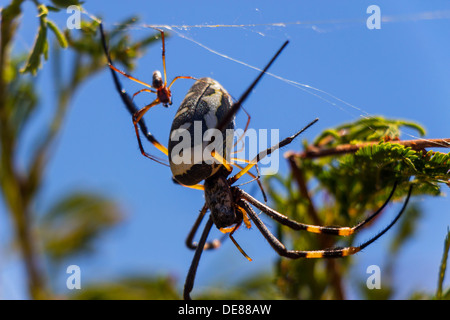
{"x":210,"y":104}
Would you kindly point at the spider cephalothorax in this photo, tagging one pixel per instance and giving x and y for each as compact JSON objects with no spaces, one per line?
{"x":219,"y":199}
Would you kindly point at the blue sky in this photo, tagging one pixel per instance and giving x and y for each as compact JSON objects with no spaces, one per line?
{"x":398,"y":71}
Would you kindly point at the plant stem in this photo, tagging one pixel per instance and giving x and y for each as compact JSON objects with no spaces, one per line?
{"x":317,"y":152}
{"x":443,"y":266}
{"x":14,"y":185}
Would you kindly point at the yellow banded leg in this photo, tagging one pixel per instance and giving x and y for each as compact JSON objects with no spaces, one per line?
{"x":340,"y":231}
{"x":327,"y":253}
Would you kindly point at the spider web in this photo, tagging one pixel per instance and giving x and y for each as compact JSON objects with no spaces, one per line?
{"x":182,"y":31}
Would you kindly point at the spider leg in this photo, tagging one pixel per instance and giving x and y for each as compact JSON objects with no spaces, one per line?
{"x":127,"y":100}
{"x":340,"y":231}
{"x":267,"y":152}
{"x":243,"y":134}
{"x":201,"y":246}
{"x":227,"y":165}
{"x":128,"y":76}
{"x":235,"y":107}
{"x":233,"y":160}
{"x":221,"y":160}
{"x":232,"y":229}
{"x":142,"y":90}
{"x":326,"y":253}
{"x":180,"y":77}
{"x":256,"y":178}
{"x":190,"y":238}
{"x":138,"y":117}
{"x":235,"y":242}
{"x":189,"y":283}
{"x":163,"y":55}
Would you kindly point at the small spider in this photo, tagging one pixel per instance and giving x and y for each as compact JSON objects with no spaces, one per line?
{"x":229,"y":205}
{"x":158,"y":86}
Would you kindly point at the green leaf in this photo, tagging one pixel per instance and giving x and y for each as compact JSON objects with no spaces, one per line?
{"x":53,"y":9}
{"x":59,"y":35}
{"x":40,"y":48}
{"x":22,"y":99}
{"x":375,"y":128}
{"x":63,"y":4}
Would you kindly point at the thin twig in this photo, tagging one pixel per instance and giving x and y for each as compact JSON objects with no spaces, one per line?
{"x":317,"y":152}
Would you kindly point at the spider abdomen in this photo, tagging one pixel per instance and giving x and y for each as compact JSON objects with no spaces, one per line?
{"x":190,"y":143}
